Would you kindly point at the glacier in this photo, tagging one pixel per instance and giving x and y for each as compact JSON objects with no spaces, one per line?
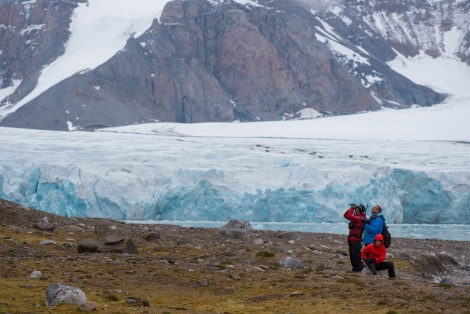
{"x":166,"y":176}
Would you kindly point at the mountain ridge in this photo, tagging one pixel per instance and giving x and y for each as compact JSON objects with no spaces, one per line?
{"x":208,"y":61}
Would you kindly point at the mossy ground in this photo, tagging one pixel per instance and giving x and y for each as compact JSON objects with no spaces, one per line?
{"x":190,"y":270}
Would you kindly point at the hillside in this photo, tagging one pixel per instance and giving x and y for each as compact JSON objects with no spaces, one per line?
{"x":216,"y":61}
{"x":191,"y":270}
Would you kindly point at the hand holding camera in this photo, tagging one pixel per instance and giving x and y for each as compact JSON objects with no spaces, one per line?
{"x":360,"y":208}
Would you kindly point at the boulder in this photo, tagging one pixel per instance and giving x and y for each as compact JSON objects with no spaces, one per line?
{"x":235,"y":228}
{"x":44,"y":224}
{"x":291,"y":262}
{"x":111,"y":244}
{"x":60,"y":293}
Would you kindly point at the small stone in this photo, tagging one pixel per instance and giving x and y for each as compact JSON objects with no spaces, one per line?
{"x":152,"y":237}
{"x":203,"y":282}
{"x":88,"y":306}
{"x":75,"y":228}
{"x":296,"y":294}
{"x":234,"y":275}
{"x":258,"y":242}
{"x":47,"y":242}
{"x":290,"y":262}
{"x":36,"y":274}
{"x":289,"y":235}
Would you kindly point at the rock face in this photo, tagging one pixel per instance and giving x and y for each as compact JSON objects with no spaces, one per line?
{"x":33,"y":34}
{"x":224,"y":61}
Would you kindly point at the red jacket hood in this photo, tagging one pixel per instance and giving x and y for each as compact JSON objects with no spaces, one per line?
{"x":379,"y":237}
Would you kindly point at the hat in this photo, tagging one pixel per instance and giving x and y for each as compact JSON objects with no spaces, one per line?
{"x":379,"y":237}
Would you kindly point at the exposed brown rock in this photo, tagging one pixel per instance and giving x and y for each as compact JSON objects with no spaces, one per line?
{"x":206,"y":61}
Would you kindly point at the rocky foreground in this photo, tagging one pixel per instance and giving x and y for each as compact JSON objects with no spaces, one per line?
{"x":200,"y":270}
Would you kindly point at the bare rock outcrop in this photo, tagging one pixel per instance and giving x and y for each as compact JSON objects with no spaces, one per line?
{"x":214,"y":62}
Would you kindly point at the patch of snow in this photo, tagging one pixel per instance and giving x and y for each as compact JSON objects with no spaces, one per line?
{"x":105,"y":25}
{"x":309,"y":113}
{"x":5,"y":92}
{"x":31,"y":28}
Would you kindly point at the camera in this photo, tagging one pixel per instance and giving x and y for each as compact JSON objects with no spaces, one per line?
{"x":361,"y":208}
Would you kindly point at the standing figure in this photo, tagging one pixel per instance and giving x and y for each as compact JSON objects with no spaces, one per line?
{"x":374,"y":255}
{"x":355,"y":215}
{"x":373,"y":226}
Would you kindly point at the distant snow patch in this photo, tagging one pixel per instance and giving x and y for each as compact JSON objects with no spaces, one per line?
{"x":309,"y":113}
{"x":32,"y":28}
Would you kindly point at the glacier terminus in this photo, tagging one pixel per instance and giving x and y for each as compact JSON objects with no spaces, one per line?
{"x":163,"y":176}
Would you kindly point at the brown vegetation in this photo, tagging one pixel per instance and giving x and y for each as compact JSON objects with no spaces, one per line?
{"x":190,"y":270}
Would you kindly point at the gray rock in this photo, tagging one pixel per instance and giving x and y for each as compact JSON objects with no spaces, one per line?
{"x":152,"y":237}
{"x":88,"y":306}
{"x":36,"y":274}
{"x":234,"y":275}
{"x":47,"y":242}
{"x":289,"y":235}
{"x":296,"y":294}
{"x":110,"y":244}
{"x":138,"y":302}
{"x":44,"y":224}
{"x":235,"y":228}
{"x":258,"y":242}
{"x":290,"y":262}
{"x":203,"y":282}
{"x":75,"y":228}
{"x":60,"y":293}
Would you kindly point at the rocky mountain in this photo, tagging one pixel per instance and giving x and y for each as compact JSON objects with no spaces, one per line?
{"x":224,"y":61}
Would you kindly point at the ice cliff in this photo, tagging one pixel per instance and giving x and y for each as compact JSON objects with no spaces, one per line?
{"x":128,"y":176}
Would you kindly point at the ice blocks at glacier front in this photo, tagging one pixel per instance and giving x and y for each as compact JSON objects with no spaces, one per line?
{"x":151,"y":177}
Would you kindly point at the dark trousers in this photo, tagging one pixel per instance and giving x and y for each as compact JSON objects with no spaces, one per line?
{"x":355,"y":255}
{"x":383,"y":266}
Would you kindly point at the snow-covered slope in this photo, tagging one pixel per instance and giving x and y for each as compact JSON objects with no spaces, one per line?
{"x":99,"y":29}
{"x":111,"y":43}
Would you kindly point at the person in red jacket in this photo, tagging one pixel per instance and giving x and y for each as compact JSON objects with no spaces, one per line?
{"x":355,"y":214}
{"x":374,"y":255}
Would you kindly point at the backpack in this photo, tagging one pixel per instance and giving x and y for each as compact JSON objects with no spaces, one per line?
{"x":387,"y":236}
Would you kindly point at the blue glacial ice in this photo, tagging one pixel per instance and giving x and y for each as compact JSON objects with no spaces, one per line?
{"x":151,"y":177}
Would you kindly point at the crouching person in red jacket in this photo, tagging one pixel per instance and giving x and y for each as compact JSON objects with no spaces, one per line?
{"x":374,"y":255}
